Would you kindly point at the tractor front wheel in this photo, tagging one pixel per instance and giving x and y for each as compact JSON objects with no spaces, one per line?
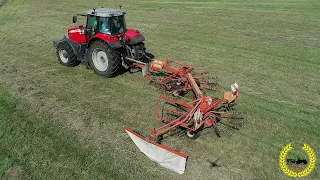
{"x":103,"y":59}
{"x":66,"y":55}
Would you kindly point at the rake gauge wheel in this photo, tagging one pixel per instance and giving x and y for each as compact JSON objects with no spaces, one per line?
{"x":192,"y":135}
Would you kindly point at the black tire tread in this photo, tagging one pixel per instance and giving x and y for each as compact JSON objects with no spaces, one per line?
{"x":112,"y":54}
{"x":72,"y":59}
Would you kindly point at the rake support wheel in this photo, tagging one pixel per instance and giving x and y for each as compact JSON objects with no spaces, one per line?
{"x":192,"y":135}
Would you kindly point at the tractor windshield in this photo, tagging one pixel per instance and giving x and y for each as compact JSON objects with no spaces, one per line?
{"x":104,"y":26}
{"x":117,"y":24}
{"x":112,"y":25}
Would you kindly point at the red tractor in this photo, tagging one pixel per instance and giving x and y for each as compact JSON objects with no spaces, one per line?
{"x":104,"y":44}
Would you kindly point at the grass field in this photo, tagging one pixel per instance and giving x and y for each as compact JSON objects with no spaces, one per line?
{"x":67,"y":123}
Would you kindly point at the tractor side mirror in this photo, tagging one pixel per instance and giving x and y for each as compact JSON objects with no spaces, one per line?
{"x":74,"y":19}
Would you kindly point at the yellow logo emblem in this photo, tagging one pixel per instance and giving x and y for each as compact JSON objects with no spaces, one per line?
{"x":306,"y":171}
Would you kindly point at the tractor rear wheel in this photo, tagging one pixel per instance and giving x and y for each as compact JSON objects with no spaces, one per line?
{"x":66,"y":55}
{"x":103,"y":59}
{"x":138,"y":52}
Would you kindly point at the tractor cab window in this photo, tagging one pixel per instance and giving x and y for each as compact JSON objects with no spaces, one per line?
{"x":117,"y":24}
{"x":104,"y":25}
{"x":92,"y":24}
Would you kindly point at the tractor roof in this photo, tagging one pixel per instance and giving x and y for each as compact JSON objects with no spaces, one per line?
{"x":106,"y":12}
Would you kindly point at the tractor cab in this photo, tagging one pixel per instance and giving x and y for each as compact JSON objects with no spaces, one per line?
{"x":106,"y":20}
{"x":102,"y":23}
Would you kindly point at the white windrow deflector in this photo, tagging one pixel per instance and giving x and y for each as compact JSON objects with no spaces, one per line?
{"x":159,"y":153}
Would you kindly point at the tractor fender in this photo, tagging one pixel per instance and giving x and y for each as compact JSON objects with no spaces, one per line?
{"x":113,"y":45}
{"x":72,"y":43}
{"x":136,"y":40}
{"x":112,"y":41}
{"x":78,"y":49}
{"x":133,"y":37}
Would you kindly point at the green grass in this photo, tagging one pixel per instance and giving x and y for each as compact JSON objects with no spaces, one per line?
{"x":68,"y":122}
{"x":33,"y":147}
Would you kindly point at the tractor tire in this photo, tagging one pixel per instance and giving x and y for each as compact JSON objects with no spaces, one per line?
{"x":138,"y":52}
{"x":104,"y":60}
{"x":66,"y":55}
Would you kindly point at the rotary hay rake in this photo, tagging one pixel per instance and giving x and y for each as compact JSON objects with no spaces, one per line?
{"x":171,"y":76}
{"x":188,"y":108}
{"x":195,"y":113}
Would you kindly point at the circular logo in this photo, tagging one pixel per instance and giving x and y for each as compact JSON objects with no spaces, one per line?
{"x":293,"y":173}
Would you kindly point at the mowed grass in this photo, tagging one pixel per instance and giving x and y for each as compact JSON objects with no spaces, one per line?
{"x":32,"y":147}
{"x":68,"y":122}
